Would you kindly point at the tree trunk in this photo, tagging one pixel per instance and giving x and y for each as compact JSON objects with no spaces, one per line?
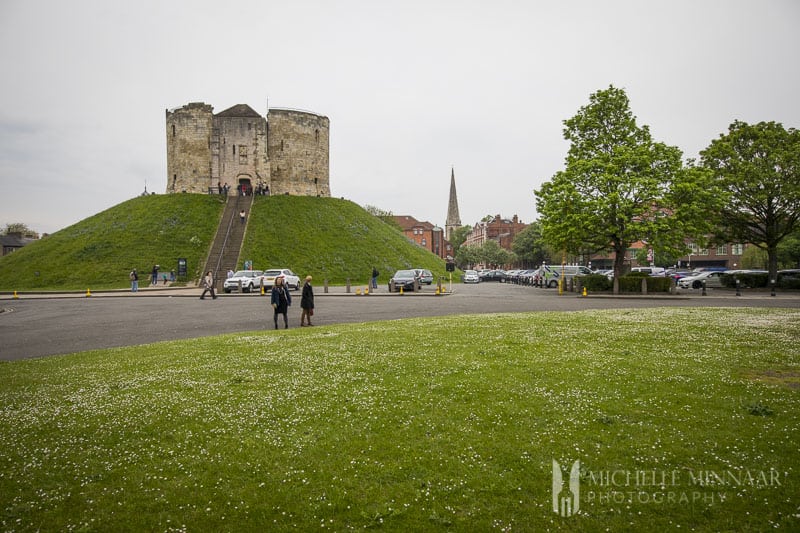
{"x":619,"y":265}
{"x":772,"y":261}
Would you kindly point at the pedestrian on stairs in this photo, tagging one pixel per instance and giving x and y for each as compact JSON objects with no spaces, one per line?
{"x":242,"y":215}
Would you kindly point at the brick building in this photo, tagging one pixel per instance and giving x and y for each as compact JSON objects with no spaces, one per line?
{"x":425,"y":235}
{"x":500,"y":230}
{"x":727,"y":255}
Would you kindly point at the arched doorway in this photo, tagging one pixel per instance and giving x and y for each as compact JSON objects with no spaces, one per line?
{"x":245,"y":186}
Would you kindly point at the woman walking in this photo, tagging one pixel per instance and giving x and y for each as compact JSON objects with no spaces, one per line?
{"x":280,"y":300}
{"x":307,"y":303}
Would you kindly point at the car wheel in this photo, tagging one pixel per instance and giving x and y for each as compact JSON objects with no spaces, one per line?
{"x":553,"y":284}
{"x":227,"y":291}
{"x":696,"y":284}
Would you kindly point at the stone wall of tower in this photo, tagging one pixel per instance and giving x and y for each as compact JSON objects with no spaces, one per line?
{"x":239,"y":145}
{"x":189,"y":130}
{"x":298,"y":148}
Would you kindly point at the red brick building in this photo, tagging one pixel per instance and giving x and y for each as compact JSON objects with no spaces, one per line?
{"x":425,"y":235}
{"x":501,"y":230}
{"x":727,"y":255}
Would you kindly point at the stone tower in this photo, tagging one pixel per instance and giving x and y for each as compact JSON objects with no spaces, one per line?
{"x":453,"y":219}
{"x":287,"y":151}
{"x":298,"y":152}
{"x":189,"y":148}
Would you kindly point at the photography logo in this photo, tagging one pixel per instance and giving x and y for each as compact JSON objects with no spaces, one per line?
{"x":566,"y":501}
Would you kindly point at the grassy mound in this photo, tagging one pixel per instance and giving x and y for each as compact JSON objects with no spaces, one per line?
{"x":329,"y":238}
{"x":352,"y":426}
{"x":100,"y":251}
{"x":326,"y":237}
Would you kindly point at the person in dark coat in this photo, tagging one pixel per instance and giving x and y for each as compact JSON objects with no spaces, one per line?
{"x":307,"y":303}
{"x":280,"y":300}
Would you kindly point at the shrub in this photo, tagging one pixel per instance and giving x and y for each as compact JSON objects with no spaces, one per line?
{"x":632,"y":282}
{"x":751,"y":281}
{"x":788,"y":282}
{"x":596,"y":282}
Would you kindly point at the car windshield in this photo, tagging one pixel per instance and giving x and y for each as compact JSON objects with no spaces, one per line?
{"x":404,"y":274}
{"x":273,"y":273}
{"x":245,"y":274}
{"x":471,"y":272}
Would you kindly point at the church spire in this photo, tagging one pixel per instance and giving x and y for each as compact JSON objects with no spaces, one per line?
{"x":453,"y":219}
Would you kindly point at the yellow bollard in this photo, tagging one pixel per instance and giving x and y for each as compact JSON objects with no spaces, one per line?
{"x":262,"y":289}
{"x":88,"y":293}
{"x":401,"y":290}
{"x":366,"y":291}
{"x":15,"y":296}
{"x":437,"y":291}
{"x":358,"y":292}
{"x":584,"y":291}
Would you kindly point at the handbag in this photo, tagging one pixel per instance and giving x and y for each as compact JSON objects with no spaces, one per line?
{"x":311,"y":312}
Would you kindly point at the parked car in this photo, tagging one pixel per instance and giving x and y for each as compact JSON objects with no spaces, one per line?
{"x":250,"y":280}
{"x":471,"y":276}
{"x":425,"y":276}
{"x":656,"y":272}
{"x":492,"y":275}
{"x":291,"y":280}
{"x":405,"y":279}
{"x":679,"y":274}
{"x":711,"y":278}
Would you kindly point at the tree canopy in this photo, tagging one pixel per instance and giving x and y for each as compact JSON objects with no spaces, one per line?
{"x":758,"y":166}
{"x":529,"y":246}
{"x":619,"y":186}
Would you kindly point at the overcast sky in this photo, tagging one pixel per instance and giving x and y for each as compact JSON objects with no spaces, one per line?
{"x":412,"y":89}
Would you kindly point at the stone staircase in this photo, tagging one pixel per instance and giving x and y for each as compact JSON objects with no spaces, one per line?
{"x":227,"y":244}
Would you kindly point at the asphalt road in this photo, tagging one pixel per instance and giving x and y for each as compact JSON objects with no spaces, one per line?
{"x":41,"y":326}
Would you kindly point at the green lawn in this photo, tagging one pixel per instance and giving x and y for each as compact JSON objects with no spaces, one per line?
{"x":682,"y":419}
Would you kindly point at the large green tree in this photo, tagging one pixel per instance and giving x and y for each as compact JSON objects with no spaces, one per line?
{"x":759,"y":167}
{"x":529,"y":246}
{"x":619,"y":186}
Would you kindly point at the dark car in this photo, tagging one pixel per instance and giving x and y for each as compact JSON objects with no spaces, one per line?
{"x":493,"y":275}
{"x":405,"y":279}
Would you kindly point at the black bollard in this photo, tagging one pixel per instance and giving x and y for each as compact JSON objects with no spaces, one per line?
{"x":738,"y":288}
{"x":704,"y":288}
{"x":772,"y":284}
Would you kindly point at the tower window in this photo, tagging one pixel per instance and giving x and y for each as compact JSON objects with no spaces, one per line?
{"x":242,"y":154}
{"x":173,"y":130}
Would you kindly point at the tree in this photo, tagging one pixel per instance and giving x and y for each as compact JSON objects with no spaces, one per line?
{"x":467,"y":256}
{"x":529,"y":246}
{"x":619,"y":187}
{"x":492,"y":255}
{"x":384,"y":215}
{"x":458,"y":237}
{"x":19,"y":227}
{"x":759,"y":167}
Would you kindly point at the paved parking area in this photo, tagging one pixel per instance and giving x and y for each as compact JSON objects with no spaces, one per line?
{"x":50,"y":324}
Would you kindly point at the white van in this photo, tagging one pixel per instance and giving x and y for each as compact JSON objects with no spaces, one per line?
{"x":550,"y":274}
